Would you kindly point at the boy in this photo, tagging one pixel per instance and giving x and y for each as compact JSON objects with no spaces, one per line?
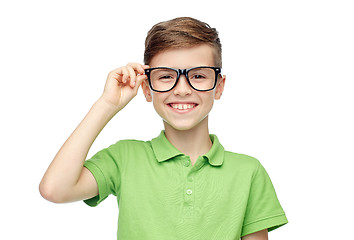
{"x":182,"y":184}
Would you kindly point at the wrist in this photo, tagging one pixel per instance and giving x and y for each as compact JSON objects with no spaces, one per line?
{"x":105,"y":107}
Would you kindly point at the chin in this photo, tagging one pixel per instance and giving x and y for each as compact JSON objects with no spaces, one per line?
{"x":178,"y":126}
{"x":182,"y":128}
{"x":184,"y":125}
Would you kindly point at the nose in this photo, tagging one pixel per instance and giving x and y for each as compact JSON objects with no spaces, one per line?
{"x":182,"y":88}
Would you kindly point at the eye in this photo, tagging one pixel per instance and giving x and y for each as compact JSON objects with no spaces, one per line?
{"x":198,"y":76}
{"x":165,"y":77}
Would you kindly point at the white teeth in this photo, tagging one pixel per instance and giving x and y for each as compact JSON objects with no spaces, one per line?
{"x":182,"y":106}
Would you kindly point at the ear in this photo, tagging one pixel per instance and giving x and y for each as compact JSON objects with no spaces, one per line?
{"x":220,"y":87}
{"x":146,"y":90}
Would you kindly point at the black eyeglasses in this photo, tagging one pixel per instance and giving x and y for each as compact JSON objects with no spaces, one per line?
{"x":164,"y":79}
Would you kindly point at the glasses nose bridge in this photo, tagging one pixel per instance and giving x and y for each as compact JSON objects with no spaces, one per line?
{"x":182,"y":72}
{"x":186,"y":85}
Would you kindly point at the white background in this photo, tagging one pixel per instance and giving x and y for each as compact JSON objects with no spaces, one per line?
{"x":288,"y":102}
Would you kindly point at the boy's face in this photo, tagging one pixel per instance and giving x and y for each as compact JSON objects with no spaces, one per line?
{"x":184,"y":108}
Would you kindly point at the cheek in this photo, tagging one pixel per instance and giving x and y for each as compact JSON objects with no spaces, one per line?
{"x":210,"y":105}
{"x":209,"y":99}
{"x":157,"y":99}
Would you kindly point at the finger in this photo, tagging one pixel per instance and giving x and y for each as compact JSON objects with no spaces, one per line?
{"x":146,"y":66}
{"x":139,"y":80}
{"x":116,"y":74}
{"x":132,"y":75}
{"x":126,"y":74}
{"x":138,"y":68}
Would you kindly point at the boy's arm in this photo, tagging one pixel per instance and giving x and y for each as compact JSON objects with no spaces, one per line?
{"x":66,"y":179}
{"x":261,"y":235}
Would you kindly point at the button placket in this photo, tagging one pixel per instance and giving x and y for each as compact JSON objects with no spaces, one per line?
{"x":189,"y":190}
{"x":189,"y":202}
{"x":189,"y":193}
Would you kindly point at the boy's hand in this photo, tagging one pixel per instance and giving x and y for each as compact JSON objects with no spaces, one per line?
{"x":122,"y":85}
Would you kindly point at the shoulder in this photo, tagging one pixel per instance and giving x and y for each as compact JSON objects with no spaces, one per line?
{"x":130,"y":143}
{"x":130,"y":146}
{"x":241,"y":158}
{"x":119,"y":149}
{"x":241,"y":161}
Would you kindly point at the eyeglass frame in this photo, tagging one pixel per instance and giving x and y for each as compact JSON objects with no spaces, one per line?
{"x":184,"y":72}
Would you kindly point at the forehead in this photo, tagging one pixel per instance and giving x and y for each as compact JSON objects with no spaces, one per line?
{"x":200,"y":55}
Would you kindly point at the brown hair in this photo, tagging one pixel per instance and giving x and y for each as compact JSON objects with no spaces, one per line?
{"x":180,"y":33}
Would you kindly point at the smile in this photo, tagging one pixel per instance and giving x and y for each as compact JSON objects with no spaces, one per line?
{"x":180,"y":106}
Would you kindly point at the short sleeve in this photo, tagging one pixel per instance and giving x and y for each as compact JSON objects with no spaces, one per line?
{"x":105,"y":167}
{"x":263,"y":209}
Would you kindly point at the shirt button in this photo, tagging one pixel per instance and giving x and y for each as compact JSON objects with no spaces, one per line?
{"x":190,"y":179}
{"x":189,"y":191}
{"x":186,"y":163}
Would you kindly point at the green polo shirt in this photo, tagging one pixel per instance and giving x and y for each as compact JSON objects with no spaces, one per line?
{"x":160,"y":195}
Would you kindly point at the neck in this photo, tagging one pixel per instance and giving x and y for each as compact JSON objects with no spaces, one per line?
{"x":193,"y":142}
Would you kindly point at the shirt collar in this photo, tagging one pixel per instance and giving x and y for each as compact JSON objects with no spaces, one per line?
{"x":216,"y":153}
{"x":164,"y":150}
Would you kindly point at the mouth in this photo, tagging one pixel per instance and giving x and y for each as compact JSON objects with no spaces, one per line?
{"x":182,"y":106}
